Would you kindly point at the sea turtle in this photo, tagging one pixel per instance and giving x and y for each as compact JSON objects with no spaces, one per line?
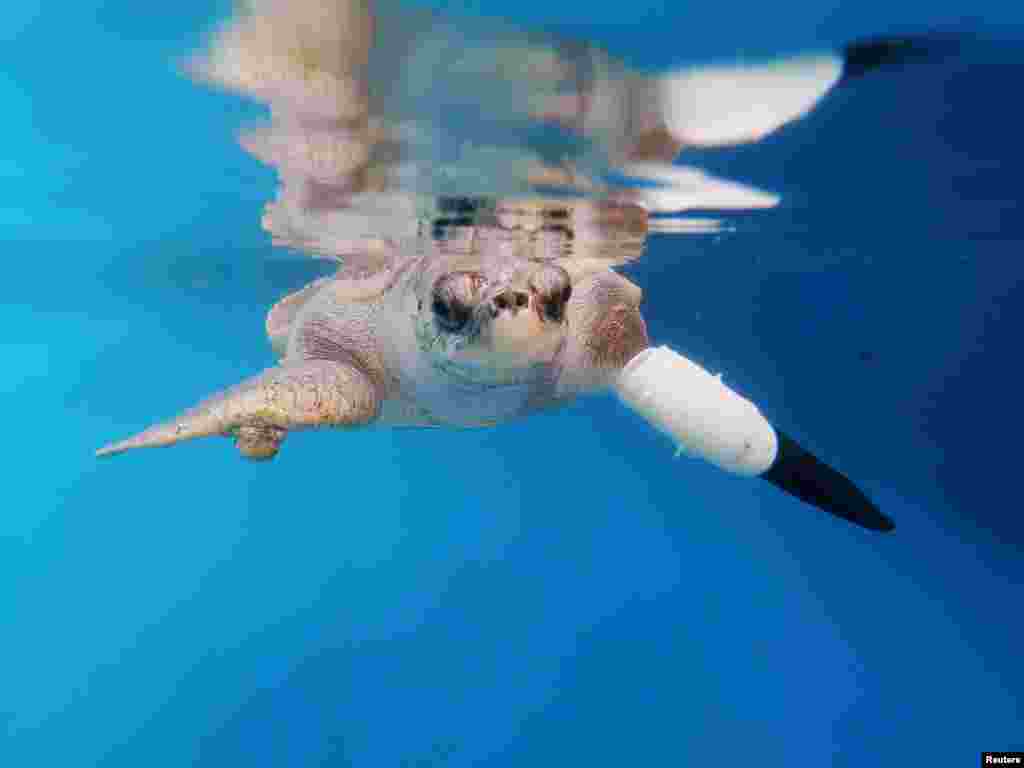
{"x":489,"y":316}
{"x":479,"y":334}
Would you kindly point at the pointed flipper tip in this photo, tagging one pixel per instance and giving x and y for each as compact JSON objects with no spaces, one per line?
{"x":150,"y":438}
{"x":801,"y":474}
{"x":865,"y":56}
{"x":111,"y":449}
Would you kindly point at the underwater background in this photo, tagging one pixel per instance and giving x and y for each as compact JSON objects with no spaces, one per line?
{"x":555,"y":592}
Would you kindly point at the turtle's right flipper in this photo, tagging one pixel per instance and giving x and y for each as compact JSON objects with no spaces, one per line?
{"x":260,"y":411}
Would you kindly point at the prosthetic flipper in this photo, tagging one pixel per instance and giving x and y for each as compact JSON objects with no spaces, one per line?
{"x":725,"y":105}
{"x":704,"y":417}
{"x":865,"y":56}
{"x":708,"y":420}
{"x":803,"y":475}
{"x":722,"y":105}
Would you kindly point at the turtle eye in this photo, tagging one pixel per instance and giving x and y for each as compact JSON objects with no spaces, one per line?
{"x":453,"y":298}
{"x":451,"y":316}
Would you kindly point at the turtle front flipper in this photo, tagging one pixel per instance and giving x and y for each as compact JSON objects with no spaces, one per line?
{"x":260,"y":411}
{"x":283,"y":314}
{"x":710,"y":421}
{"x":799,"y":473}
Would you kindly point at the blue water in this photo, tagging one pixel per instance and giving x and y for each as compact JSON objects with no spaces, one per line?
{"x":558,"y":591}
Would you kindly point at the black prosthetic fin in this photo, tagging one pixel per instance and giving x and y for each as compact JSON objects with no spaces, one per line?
{"x":865,"y":56}
{"x":803,"y":475}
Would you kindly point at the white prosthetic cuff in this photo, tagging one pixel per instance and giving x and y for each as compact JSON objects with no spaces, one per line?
{"x":705,"y":418}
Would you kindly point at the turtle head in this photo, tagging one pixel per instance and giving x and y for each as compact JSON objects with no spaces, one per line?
{"x":502,"y":323}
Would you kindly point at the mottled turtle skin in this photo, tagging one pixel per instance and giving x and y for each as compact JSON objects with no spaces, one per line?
{"x":458,"y":338}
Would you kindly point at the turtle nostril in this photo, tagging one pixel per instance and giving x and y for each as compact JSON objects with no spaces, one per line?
{"x":554,"y":311}
{"x":511,"y":300}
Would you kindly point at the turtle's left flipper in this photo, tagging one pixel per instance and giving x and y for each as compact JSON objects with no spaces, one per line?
{"x":803,"y":475}
{"x":862,"y":57}
{"x":725,"y":105}
{"x":710,"y":421}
